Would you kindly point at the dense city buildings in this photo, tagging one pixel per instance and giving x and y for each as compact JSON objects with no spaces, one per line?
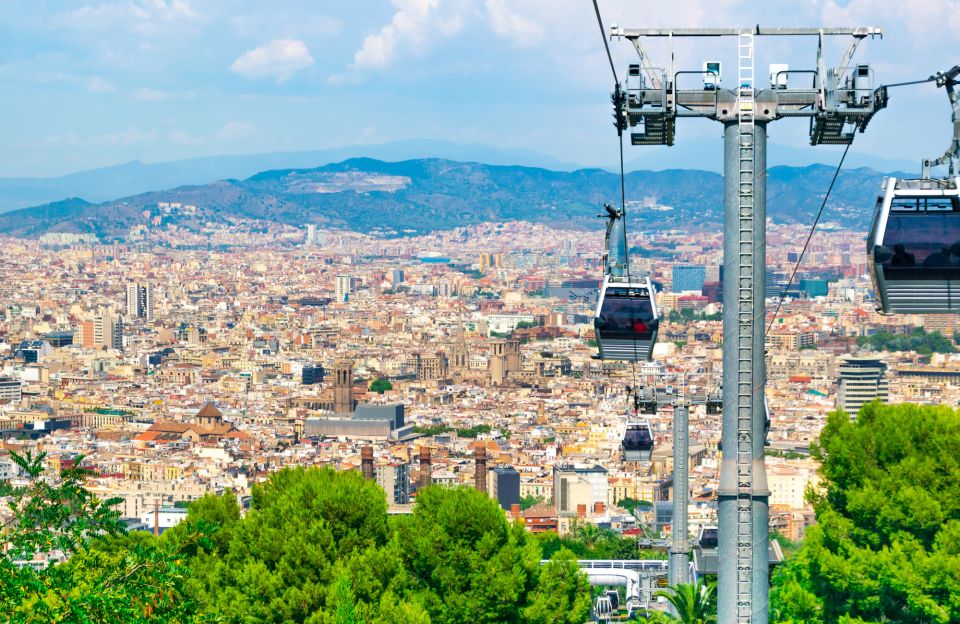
{"x":457,"y":357}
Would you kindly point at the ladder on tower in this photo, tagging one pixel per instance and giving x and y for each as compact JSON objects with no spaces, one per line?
{"x":745,"y":307}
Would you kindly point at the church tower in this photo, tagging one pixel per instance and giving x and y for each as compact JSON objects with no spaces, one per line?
{"x":343,"y":387}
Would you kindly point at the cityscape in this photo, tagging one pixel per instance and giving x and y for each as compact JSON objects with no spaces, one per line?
{"x":360,"y":391}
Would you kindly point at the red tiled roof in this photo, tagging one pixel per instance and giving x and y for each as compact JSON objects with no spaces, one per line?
{"x":209,"y":411}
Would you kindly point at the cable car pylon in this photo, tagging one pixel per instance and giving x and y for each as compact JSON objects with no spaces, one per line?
{"x":840,"y":103}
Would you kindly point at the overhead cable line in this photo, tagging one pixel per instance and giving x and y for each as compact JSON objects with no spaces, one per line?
{"x":618,"y":97}
{"x":603,"y":35}
{"x":783,"y":293}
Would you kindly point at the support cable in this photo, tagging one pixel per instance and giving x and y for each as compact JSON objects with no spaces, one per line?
{"x":603,"y":35}
{"x":908,"y":83}
{"x":618,"y":96}
{"x":783,"y":293}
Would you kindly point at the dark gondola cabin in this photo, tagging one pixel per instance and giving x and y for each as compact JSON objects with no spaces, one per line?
{"x":914,"y":247}
{"x":709,"y":537}
{"x":638,"y":442}
{"x":626,"y":320}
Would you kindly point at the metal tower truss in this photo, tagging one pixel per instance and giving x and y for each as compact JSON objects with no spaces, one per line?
{"x":839,"y":101}
{"x":746,"y":381}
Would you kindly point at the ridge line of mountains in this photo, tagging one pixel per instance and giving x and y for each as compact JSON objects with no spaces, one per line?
{"x":421,"y":195}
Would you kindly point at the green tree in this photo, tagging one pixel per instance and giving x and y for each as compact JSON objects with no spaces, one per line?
{"x":694,"y":603}
{"x":474,"y":431}
{"x":346,"y":609}
{"x":432,"y":430}
{"x":277,"y":563}
{"x":632,"y":505}
{"x":886,"y":546}
{"x":562,"y":594}
{"x":918,"y":340}
{"x":380,"y":385}
{"x":529,"y":501}
{"x":108,"y":576}
{"x":466,"y":562}
{"x":595,"y":543}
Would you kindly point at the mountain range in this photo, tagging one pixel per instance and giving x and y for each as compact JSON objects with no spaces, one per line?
{"x":133,"y":178}
{"x":420,"y":195}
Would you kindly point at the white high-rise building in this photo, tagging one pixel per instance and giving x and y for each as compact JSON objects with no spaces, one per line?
{"x":311,"y":235}
{"x":343,"y":289}
{"x":139,"y":301}
{"x":859,"y":381}
{"x":395,"y":481}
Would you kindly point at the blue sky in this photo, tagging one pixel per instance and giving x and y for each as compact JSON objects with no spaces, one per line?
{"x":87,"y":84}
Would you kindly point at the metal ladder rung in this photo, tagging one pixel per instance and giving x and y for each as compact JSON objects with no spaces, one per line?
{"x":745,"y":111}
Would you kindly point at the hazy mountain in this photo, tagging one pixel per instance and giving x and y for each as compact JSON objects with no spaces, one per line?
{"x":707,"y":154}
{"x":421,"y":195}
{"x":135,"y":177}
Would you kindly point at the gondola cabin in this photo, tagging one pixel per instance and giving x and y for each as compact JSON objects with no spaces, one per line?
{"x":626,"y":320}
{"x":709,"y":537}
{"x":914,"y":246}
{"x":637,"y":442}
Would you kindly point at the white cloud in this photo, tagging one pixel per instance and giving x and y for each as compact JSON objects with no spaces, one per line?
{"x":145,"y":17}
{"x":278,"y":59}
{"x":131,"y":136}
{"x":151,"y":95}
{"x":507,"y":23}
{"x":100,"y":85}
{"x":410,"y":26}
{"x":57,"y":141}
{"x":268,"y":20}
{"x":181,"y":137}
{"x":235,"y":130}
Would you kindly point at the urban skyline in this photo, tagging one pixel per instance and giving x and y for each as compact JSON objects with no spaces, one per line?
{"x":439,"y":390}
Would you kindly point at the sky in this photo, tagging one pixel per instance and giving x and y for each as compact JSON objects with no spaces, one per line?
{"x":90,"y":84}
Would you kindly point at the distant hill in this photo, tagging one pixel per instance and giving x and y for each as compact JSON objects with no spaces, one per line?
{"x":370,"y":195}
{"x":135,"y":177}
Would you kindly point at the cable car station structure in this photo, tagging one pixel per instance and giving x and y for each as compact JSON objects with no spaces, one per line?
{"x":839,"y":101}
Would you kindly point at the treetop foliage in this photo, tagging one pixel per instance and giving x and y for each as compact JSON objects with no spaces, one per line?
{"x":886,"y":546}
{"x":316,"y":547}
{"x":918,"y":340}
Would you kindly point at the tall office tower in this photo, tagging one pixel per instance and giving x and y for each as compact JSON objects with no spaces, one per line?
{"x":311,"y":235}
{"x":396,"y":276}
{"x":688,"y":277}
{"x":503,"y":485}
{"x":103,"y":330}
{"x":343,"y":387}
{"x":343,"y":289}
{"x":140,"y":301}
{"x":859,"y":381}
